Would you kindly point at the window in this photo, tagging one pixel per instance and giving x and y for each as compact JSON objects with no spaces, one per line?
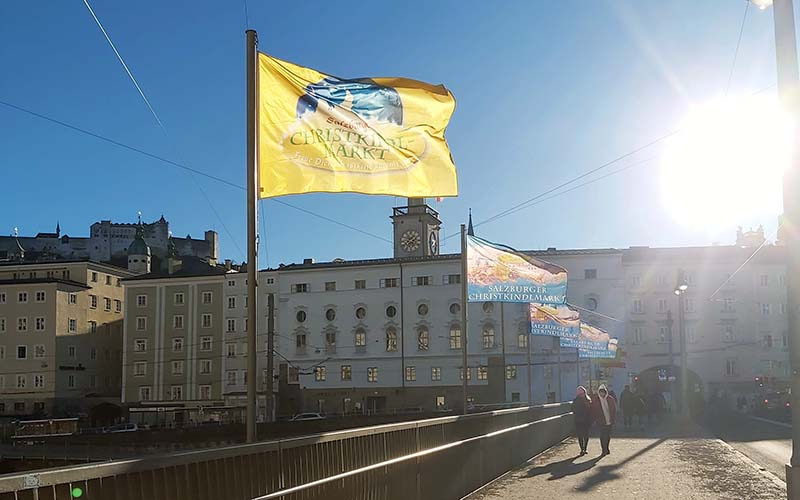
{"x":176,"y":392}
{"x":488,"y":307}
{"x":783,"y":308}
{"x":93,"y":353}
{"x":728,"y":305}
{"x":108,"y":280}
{"x":766,"y":341}
{"x":320,"y":374}
{"x":206,"y":320}
{"x":388,"y":283}
{"x":141,"y":323}
{"x":177,"y":322}
{"x":452,"y":279}
{"x":330,"y":339}
{"x":391,"y":339}
{"x":330,"y":286}
{"x":205,"y":343}
{"x":511,"y":372}
{"x":591,"y":303}
{"x":421,"y":280}
{"x":205,"y":392}
{"x":488,"y":337}
{"x":177,"y":344}
{"x":73,"y":298}
{"x":300,"y":316}
{"x":270,"y":281}
{"x":230,"y":377}
{"x":347,"y":372}
{"x":372,"y":374}
{"x":662,"y":305}
{"x":3,"y":297}
{"x":436,"y":374}
{"x":461,"y":373}
{"x":391,"y":312}
{"x":730,"y":367}
{"x":765,"y":309}
{"x":422,"y":309}
{"x":22,"y":297}
{"x":22,"y":381}
{"x":231,"y":283}
{"x":728,"y":334}
{"x":483,"y":373}
{"x":637,"y":306}
{"x":39,"y":324}
{"x":300,"y":341}
{"x":231,"y":302}
{"x":117,"y":305}
{"x":208,"y":297}
{"x":455,"y":336}
{"x":636,"y":280}
{"x":294,"y":375}
{"x":2,"y":324}
{"x":361,"y":313}
{"x":38,"y":381}
{"x":688,"y":304}
{"x":691,"y":333}
{"x":38,"y":351}
{"x":177,"y":367}
{"x":94,"y":277}
{"x":360,"y":337}
{"x":178,"y":299}
{"x":330,"y":314}
{"x":299,"y":288}
{"x":71,"y":352}
{"x":40,"y":296}
{"x":140,"y":345}
{"x":590,"y":274}
{"x":22,"y":324}
{"x":455,"y":308}
{"x":93,"y":301}
{"x":515,"y":397}
{"x":231,"y":325}
{"x":144,"y":393}
{"x":245,"y":301}
{"x":411,"y":373}
{"x":141,"y":300}
{"x":71,"y":381}
{"x":231,"y":350}
{"x":663,"y":334}
{"x":140,"y":369}
{"x":423,"y":338}
{"x":547,"y":372}
{"x":106,"y":304}
{"x":522,"y":340}
{"x":638,"y":334}
{"x":360,"y":284}
{"x":764,"y":280}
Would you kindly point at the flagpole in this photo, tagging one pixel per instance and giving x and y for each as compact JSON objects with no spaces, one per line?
{"x":464,"y":367}
{"x":252,"y":224}
{"x":530,"y":368}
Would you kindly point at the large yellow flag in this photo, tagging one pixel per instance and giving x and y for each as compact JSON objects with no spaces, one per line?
{"x":319,"y":133}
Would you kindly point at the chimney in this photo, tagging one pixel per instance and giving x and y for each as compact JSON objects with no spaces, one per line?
{"x":228,"y":264}
{"x":213,"y":244}
{"x":308,"y":261}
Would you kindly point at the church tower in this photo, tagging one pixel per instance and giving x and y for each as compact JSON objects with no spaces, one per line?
{"x":416,"y":229}
{"x":139,"y":252}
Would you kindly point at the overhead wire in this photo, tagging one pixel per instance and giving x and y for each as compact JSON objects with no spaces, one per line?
{"x":738,"y":43}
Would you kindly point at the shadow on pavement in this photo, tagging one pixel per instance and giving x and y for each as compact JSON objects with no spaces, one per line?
{"x":563,"y":468}
{"x":606,"y":473}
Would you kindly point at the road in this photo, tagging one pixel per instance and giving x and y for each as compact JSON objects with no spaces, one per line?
{"x":767,"y":444}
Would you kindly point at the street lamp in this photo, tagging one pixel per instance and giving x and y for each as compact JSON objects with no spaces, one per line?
{"x":789,"y":90}
{"x":681,"y":287}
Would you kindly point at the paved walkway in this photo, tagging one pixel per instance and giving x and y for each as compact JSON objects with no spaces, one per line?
{"x":669,"y":462}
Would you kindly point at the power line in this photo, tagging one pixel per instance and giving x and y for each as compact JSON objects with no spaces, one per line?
{"x":738,"y":43}
{"x":729,"y":278}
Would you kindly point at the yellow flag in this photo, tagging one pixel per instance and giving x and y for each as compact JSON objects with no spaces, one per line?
{"x":320,"y":133}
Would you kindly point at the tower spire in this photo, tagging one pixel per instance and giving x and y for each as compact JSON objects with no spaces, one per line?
{"x":470,"y":229}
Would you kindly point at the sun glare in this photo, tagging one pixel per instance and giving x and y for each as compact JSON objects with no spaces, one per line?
{"x":726,"y":164}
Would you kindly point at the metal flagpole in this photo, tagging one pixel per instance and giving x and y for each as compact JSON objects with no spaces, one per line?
{"x":252,"y":224}
{"x":270,"y":357}
{"x":577,"y":367}
{"x":464,"y":303}
{"x":558,"y":384}
{"x":530,"y":368}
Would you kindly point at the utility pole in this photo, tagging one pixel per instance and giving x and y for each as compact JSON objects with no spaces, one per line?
{"x":252,"y":234}
{"x":270,"y":358}
{"x":464,"y":303}
{"x":670,"y":376}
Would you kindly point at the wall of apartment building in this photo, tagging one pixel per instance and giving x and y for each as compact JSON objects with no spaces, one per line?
{"x":175,"y":349}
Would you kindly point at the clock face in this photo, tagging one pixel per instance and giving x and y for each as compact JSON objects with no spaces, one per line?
{"x":410,"y":241}
{"x":433,"y":243}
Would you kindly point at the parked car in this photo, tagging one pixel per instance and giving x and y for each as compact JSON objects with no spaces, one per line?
{"x":126,"y":428}
{"x":302,"y":417}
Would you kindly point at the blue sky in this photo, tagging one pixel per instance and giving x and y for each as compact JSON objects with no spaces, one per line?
{"x":545,"y":91}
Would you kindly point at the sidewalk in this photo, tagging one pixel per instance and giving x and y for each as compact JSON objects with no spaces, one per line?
{"x":668,"y":462}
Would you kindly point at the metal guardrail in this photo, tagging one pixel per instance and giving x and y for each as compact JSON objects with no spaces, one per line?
{"x":438,"y":458}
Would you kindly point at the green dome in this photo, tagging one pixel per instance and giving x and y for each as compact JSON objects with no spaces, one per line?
{"x":139,"y":246}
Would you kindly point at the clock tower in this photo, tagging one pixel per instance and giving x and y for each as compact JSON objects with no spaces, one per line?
{"x":416,"y":229}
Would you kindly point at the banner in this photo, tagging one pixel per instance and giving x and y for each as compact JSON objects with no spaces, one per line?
{"x":590,"y":338}
{"x":555,"y":321}
{"x":497,"y":273}
{"x":320,"y":133}
{"x":609,"y":353}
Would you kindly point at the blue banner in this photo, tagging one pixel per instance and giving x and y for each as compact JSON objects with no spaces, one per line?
{"x":590,"y":338}
{"x":609,"y":353}
{"x":497,"y":273}
{"x":554,"y":321}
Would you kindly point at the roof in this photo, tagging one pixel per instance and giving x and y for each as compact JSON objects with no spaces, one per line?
{"x":53,"y":262}
{"x":58,"y":281}
{"x":766,"y":254}
{"x":191,"y":267}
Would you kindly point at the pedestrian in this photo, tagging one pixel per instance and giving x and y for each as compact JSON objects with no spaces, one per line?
{"x":641,"y":408}
{"x":605,"y":413}
{"x":582,"y":413}
{"x":626,"y":401}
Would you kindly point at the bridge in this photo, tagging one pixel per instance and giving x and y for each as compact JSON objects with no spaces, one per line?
{"x":512,"y":454}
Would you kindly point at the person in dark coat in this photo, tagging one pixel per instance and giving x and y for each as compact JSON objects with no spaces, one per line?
{"x":604,"y":409}
{"x":628,"y":405}
{"x":582,"y":412}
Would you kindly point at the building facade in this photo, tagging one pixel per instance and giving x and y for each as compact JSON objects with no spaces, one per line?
{"x":61,"y":339}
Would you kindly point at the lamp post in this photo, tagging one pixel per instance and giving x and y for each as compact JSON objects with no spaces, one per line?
{"x":789,"y":90}
{"x":680,"y":290}
{"x":670,"y":376}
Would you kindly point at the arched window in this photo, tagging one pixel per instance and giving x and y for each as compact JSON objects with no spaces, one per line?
{"x":455,"y":336}
{"x":423,"y":338}
{"x":391,"y":339}
{"x":361,"y":337}
{"x":488,"y":337}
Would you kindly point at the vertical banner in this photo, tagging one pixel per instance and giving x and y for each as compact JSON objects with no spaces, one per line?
{"x":498,"y":273}
{"x":555,"y":320}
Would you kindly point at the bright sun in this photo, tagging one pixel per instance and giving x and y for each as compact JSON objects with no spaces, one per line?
{"x":726,"y":163}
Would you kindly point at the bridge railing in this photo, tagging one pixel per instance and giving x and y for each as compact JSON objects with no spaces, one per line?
{"x":439,"y":458}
